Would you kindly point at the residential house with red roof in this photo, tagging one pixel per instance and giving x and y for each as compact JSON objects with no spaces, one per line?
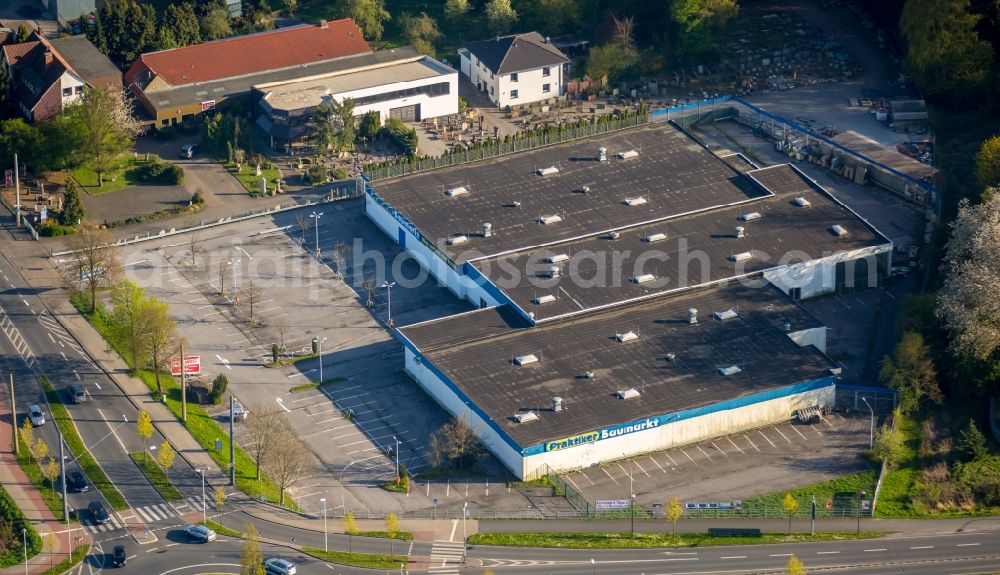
{"x":46,"y":75}
{"x":182,"y":83}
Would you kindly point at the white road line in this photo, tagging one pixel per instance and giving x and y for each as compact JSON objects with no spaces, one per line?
{"x":734,"y":557}
{"x":826,"y":421}
{"x":967,"y":545}
{"x":874,"y":550}
{"x":50,"y":337}
{"x":766,"y":438}
{"x":827,"y":552}
{"x":781,"y":555}
{"x":923,"y":547}
{"x":570,"y":479}
{"x":640,"y":468}
{"x":747,"y":437}
{"x":113,"y":431}
{"x":281,"y":404}
{"x":782,"y":434}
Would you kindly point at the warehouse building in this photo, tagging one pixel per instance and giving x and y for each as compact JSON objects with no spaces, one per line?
{"x":646,"y":283}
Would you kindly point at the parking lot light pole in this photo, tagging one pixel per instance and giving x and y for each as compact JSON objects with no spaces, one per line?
{"x":204,"y":510}
{"x":397,"y":457}
{"x":24,"y":537}
{"x":316,"y":216}
{"x":388,"y":286}
{"x":871,"y":428}
{"x":341,"y":481}
{"x":326,"y":546}
{"x":319,"y":350}
{"x":594,"y":565}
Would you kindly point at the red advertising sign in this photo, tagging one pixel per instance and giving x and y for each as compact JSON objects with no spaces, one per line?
{"x":207,"y":105}
{"x":8,"y":176}
{"x":192,"y":365}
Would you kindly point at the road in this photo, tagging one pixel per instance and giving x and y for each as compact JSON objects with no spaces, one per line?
{"x":34,"y":342}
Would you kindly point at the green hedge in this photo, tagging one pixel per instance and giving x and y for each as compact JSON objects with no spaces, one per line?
{"x":31,"y":468}
{"x":14,"y":553}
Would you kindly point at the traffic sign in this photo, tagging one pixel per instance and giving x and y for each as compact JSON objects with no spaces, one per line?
{"x":192,"y":365}
{"x":612,"y":504}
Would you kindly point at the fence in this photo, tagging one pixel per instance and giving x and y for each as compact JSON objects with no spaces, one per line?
{"x":519,"y":142}
{"x":805,"y":144}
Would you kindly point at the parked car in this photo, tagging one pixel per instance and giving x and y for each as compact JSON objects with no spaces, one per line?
{"x":98,"y":514}
{"x":188,"y":150}
{"x":77,"y":394}
{"x":240,"y":413}
{"x":199,"y":533}
{"x":76,"y":482}
{"x":279,"y":566}
{"x":118,"y":556}
{"x":36,"y":415}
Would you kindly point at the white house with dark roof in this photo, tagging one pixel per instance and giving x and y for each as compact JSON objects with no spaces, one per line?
{"x":514,"y":70}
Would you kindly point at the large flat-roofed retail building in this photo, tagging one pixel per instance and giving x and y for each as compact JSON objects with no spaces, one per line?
{"x":643,"y":280}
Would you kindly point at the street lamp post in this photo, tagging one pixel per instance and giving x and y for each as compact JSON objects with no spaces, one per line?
{"x":24,"y":537}
{"x":594,"y":565}
{"x":860,"y":495}
{"x":465,"y":513}
{"x":341,"y":481}
{"x":204,"y":509}
{"x":326,"y":546}
{"x":397,"y":457}
{"x":316,"y":216}
{"x":871,"y":427}
{"x":388,"y":286}
{"x":319,"y":350}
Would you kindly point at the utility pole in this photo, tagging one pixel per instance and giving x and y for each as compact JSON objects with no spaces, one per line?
{"x":17,"y":191}
{"x":232,"y":442}
{"x":184,"y":405}
{"x":13,"y":415}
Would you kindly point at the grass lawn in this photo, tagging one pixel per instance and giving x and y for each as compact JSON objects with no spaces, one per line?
{"x":75,"y":557}
{"x":368,"y":560}
{"x":648,"y":540}
{"x":146,"y":461}
{"x":316,"y":384}
{"x":221,"y":529}
{"x":86,"y":461}
{"x":125,"y":170}
{"x":52,"y":497}
{"x":285,"y":361}
{"x":249,"y":178}
{"x":404,"y":535}
{"x":823,"y":491}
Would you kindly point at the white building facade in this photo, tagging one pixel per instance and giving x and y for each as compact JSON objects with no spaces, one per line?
{"x":515,"y":70}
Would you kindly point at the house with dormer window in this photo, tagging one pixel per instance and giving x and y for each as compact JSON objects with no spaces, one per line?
{"x":515,"y":70}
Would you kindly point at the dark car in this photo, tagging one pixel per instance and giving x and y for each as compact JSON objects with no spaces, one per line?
{"x":98,"y":514}
{"x":77,"y":394}
{"x":118,"y":556}
{"x":76,"y":482}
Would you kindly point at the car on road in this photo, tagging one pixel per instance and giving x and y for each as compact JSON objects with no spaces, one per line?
{"x":76,"y":482}
{"x":199,"y":533}
{"x":118,"y":556}
{"x":98,"y":514}
{"x":36,"y":415}
{"x":76,"y":393}
{"x":279,"y":566}
{"x":188,"y":151}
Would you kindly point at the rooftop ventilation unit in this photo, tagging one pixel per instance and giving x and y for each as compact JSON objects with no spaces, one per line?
{"x":553,"y":219}
{"x":602,"y":154}
{"x":731,"y":370}
{"x":457,"y":240}
{"x":635,"y":201}
{"x":628,"y":154}
{"x":556,"y":258}
{"x":550,"y":272}
{"x":557,"y":404}
{"x":657,"y":237}
{"x":525,"y":417}
{"x":740,"y":257}
{"x":627,"y":393}
{"x":644,"y":278}
{"x":487,"y":230}
{"x":692,"y":315}
{"x":740,"y":231}
{"x":802,"y":202}
{"x":548,"y":171}
{"x":544,"y":299}
{"x":751,"y":217}
{"x":455,"y":192}
{"x":724,"y":315}
{"x":526,"y":359}
{"x":627,"y":336}
{"x":838,"y":230}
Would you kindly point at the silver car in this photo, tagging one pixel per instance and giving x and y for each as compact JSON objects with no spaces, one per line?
{"x":199,"y":533}
{"x":36,"y":415}
{"x":279,"y":566}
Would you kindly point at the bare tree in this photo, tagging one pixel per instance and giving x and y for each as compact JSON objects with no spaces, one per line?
{"x":341,"y":251}
{"x":194,"y":246}
{"x":288,"y":462}
{"x":458,"y":441}
{"x":160,"y":336}
{"x":281,"y":324}
{"x":303,"y":221}
{"x":371,"y":288}
{"x":223,"y":266}
{"x":94,"y":260}
{"x":253,"y":293}
{"x":624,"y":30}
{"x":262,"y":429}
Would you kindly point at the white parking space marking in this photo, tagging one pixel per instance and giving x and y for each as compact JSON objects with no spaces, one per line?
{"x":734,"y":444}
{"x":611,"y":476}
{"x":797,"y":431}
{"x":640,"y":468}
{"x":766,"y":438}
{"x":671,"y":460}
{"x":813,"y":427}
{"x":719,"y":449}
{"x":752,"y":444}
{"x":575,"y":486}
{"x":657,"y":464}
{"x":705,"y":453}
{"x":689,"y":457}
{"x":827,"y":422}
{"x":782,"y":434}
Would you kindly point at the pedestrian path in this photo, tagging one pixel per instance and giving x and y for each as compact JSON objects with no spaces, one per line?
{"x":148,"y":514}
{"x":446,"y":557}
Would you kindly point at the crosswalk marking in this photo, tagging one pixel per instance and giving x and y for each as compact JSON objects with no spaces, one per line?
{"x":446,"y":556}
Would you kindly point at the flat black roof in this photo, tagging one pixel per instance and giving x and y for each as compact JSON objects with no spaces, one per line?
{"x":475,"y":350}
{"x":673,"y":174}
{"x":698,"y":249}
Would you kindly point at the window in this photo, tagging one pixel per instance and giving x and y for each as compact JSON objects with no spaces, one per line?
{"x":67,"y":92}
{"x":78,"y":90}
{"x":546,"y":87}
{"x":491,"y":90}
{"x":165,"y":122}
{"x":513,"y":77}
{"x":513,"y":94}
{"x":546,"y":71}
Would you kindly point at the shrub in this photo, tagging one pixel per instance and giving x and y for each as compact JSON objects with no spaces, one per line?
{"x":340,"y":174}
{"x":197,"y":199}
{"x":219,"y":385}
{"x":316,"y":174}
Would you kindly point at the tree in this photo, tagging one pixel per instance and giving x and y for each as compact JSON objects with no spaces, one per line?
{"x":455,"y":10}
{"x":22,"y":34}
{"x":369,"y":15}
{"x":281,"y":324}
{"x":166,"y":455}
{"x":791,"y":507}
{"x":420,"y":31}
{"x":219,"y":385}
{"x":392,"y":525}
{"x":340,"y":252}
{"x":350,"y":524}
{"x":344,"y":110}
{"x":988,"y":163}
{"x":551,"y":17}
{"x":324,"y":127}
{"x":693,"y":21}
{"x":215,"y":24}
{"x":94,"y":261}
{"x":104,"y":117}
{"x":160,"y":336}
{"x":500,"y":15}
{"x":608,"y":60}
{"x":889,"y":446}
{"x":39,"y":449}
{"x":261,"y":430}
{"x":459,"y":441}
{"x":795,"y":567}
{"x":181,"y":20}
{"x":18,"y":136}
{"x":129,"y":322}
{"x":291,"y":6}
{"x":144,"y":429}
{"x":967,"y":302}
{"x":27,"y":435}
{"x":251,"y":558}
{"x":73,"y":211}
{"x":220,"y":497}
{"x":971,"y":444}
{"x":910,"y":371}
{"x":674,"y":513}
{"x":254,"y":293}
{"x":288,"y":462}
{"x":944,"y":51}
{"x":51,"y":470}
{"x":369,"y":125}
{"x":126,"y":29}
{"x":256,"y":14}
